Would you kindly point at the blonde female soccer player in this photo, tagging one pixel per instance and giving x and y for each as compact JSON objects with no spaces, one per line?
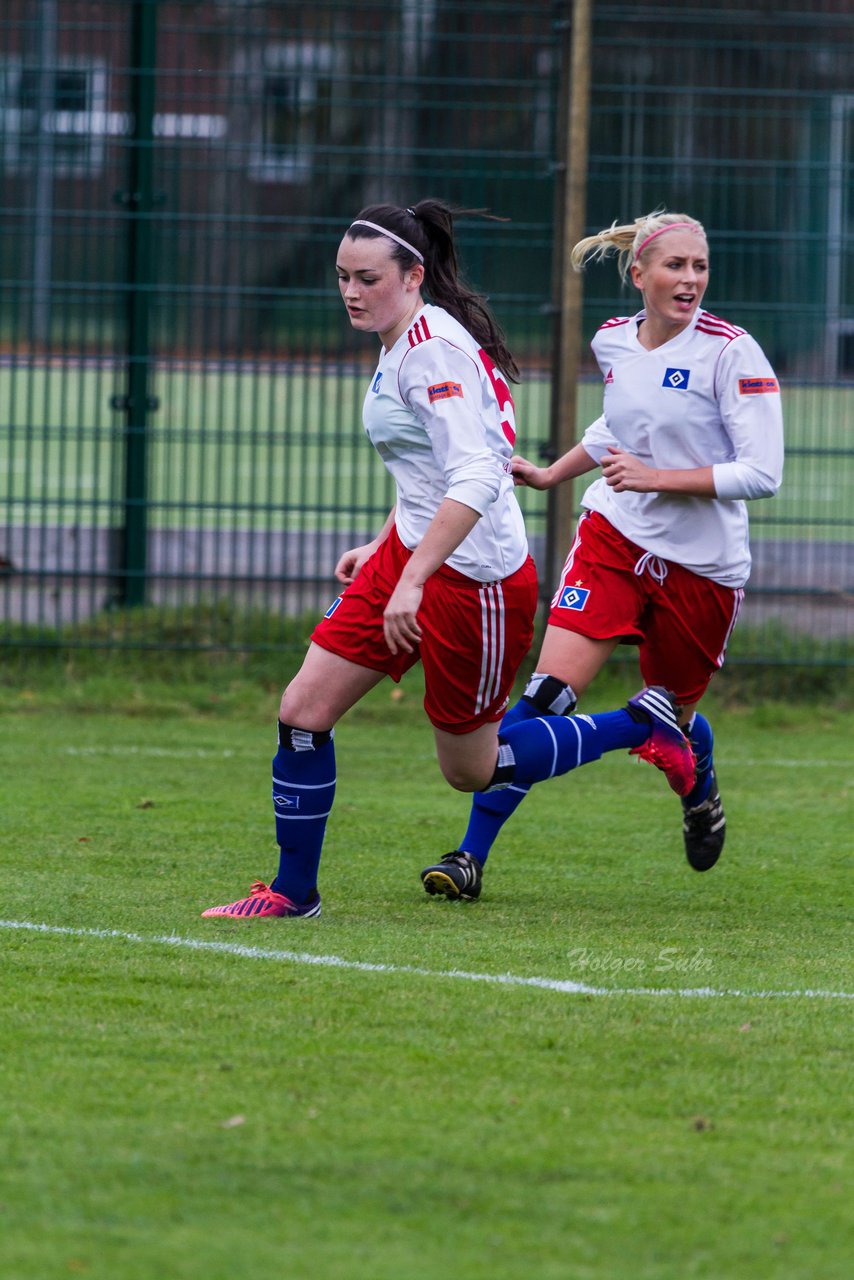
{"x":691,"y":430}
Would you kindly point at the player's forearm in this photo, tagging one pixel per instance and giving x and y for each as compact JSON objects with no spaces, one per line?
{"x":624,"y":473}
{"x":451,"y":524}
{"x":575,"y":462}
{"x":696,"y":482}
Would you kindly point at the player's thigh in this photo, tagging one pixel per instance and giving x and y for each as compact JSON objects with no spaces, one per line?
{"x":573,"y":658}
{"x":324,"y":688}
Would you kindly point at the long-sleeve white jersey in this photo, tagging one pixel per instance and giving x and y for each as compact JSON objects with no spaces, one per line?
{"x":441,"y":418}
{"x":708,"y":397}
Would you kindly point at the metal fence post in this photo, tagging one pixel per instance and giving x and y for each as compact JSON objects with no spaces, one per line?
{"x":139,"y":403}
{"x":43,"y":178}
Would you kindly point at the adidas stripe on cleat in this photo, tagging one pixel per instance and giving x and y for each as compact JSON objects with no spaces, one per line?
{"x":456,"y":876}
{"x":666,"y":747}
{"x":704,"y":829}
{"x":264,"y":901}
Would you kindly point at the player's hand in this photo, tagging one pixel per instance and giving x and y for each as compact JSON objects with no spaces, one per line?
{"x":400,"y":619}
{"x":351,"y":562}
{"x":625,"y":473}
{"x":527,"y":473}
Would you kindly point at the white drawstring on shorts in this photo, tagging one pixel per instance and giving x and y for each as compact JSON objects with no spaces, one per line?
{"x":657,"y":567}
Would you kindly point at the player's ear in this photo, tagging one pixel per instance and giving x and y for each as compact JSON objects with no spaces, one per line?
{"x":414,"y":277}
{"x":637,"y":275}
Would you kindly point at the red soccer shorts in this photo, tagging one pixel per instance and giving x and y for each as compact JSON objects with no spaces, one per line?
{"x":474,"y":635}
{"x":681,"y":622}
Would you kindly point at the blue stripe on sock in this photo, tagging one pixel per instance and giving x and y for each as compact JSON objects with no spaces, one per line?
{"x":549,"y":747}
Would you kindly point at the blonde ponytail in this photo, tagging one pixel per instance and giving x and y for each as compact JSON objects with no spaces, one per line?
{"x":629,"y":240}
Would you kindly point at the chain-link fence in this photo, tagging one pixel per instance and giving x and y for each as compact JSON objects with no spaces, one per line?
{"x":180,"y":390}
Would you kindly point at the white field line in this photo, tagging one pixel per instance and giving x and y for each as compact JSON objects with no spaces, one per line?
{"x":166,"y":753}
{"x":202,"y":753}
{"x":563,"y":985}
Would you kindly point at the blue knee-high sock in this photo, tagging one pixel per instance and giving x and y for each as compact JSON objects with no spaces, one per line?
{"x":491,"y":809}
{"x":303,"y":792}
{"x":552,"y":745}
{"x":702,"y":740}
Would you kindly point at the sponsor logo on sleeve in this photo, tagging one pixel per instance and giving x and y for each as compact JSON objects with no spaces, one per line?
{"x":376,"y":383}
{"x":573,"y":598}
{"x":676,"y":378}
{"x":444,"y":391}
{"x":757,"y":386}
{"x":609,"y":377}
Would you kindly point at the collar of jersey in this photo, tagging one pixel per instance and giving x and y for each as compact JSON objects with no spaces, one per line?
{"x":671,"y":344}
{"x":386,"y":351}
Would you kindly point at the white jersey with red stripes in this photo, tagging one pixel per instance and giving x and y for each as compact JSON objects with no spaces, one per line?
{"x":708,"y":397}
{"x":441,"y":417}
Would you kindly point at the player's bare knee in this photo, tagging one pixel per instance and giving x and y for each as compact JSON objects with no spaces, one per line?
{"x":301,"y":708}
{"x":290,"y":708}
{"x":463,"y":777}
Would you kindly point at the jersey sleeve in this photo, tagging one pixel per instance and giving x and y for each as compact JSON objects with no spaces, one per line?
{"x":443,"y":386}
{"x":751,"y":411}
{"x":598,"y":438}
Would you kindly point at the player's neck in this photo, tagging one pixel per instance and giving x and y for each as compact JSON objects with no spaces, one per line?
{"x":390,"y":337}
{"x":653,"y":332}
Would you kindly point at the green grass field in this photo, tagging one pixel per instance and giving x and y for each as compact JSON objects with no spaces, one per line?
{"x":253,"y":449}
{"x":610,"y":1068}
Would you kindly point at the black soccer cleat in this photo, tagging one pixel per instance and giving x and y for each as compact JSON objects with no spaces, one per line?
{"x":457,"y":875}
{"x":704,"y":829}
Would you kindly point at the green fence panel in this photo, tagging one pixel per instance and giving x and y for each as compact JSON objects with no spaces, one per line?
{"x":743,"y":116}
{"x":181,"y":452}
{"x":181,"y":415}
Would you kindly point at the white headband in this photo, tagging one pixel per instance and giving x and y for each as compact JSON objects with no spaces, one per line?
{"x":360,"y":222}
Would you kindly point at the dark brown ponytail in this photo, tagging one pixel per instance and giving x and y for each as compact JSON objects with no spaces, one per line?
{"x":429,"y":227}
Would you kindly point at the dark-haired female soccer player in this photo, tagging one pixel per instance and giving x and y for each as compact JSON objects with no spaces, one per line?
{"x":692,"y":428}
{"x":448,"y":580}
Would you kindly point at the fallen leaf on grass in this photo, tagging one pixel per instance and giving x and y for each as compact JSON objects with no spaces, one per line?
{"x":701,"y":1123}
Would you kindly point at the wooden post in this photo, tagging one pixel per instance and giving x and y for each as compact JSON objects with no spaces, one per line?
{"x":570,"y":226}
